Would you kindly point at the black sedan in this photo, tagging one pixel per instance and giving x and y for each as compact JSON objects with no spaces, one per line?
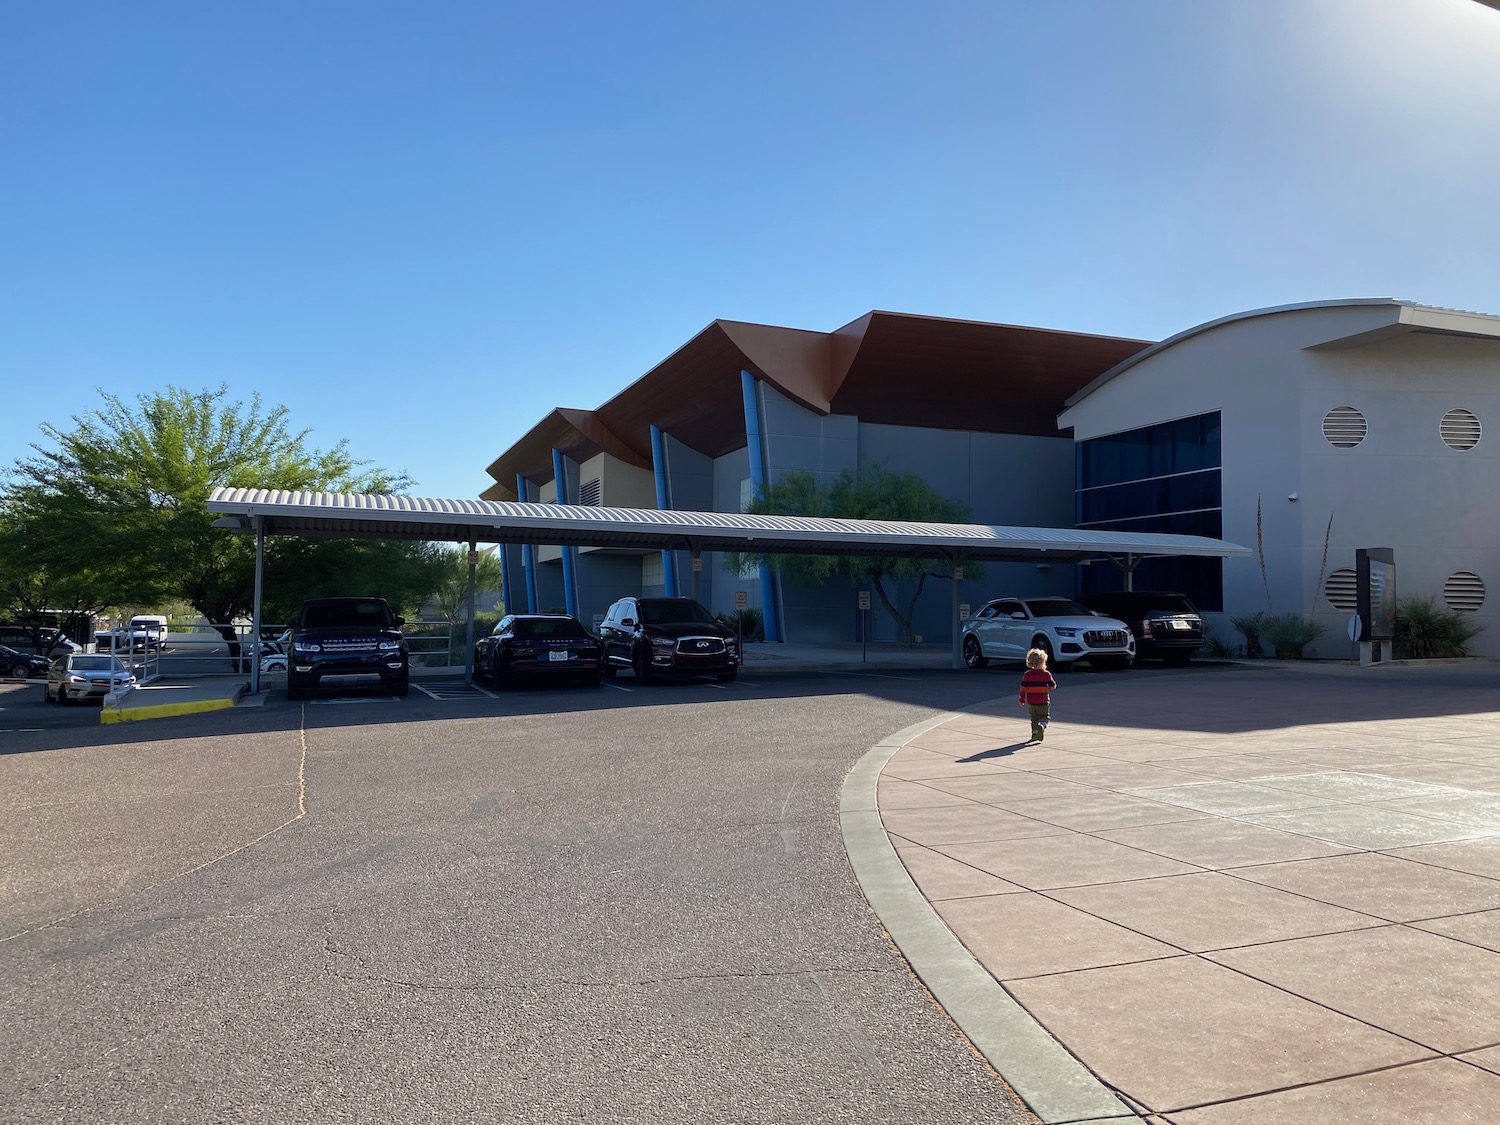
{"x":540,"y":645}
{"x":21,"y":665}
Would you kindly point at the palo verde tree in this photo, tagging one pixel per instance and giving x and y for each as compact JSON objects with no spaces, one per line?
{"x":117,"y":504}
{"x":873,"y":493}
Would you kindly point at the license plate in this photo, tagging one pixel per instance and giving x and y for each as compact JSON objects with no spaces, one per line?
{"x":558,"y":655}
{"x":1181,"y":625}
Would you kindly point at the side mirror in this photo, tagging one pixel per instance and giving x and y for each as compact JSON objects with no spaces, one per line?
{"x":400,"y":621}
{"x":629,"y":621}
{"x":1018,"y":616}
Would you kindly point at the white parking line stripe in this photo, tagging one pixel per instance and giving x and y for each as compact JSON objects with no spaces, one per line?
{"x":617,"y":687}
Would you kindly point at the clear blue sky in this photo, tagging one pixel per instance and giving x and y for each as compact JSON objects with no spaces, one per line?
{"x":421,"y":227}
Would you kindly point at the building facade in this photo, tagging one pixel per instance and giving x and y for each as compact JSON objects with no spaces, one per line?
{"x":1308,"y":431}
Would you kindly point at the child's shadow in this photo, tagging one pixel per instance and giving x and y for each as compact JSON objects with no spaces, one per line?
{"x":997,"y":752}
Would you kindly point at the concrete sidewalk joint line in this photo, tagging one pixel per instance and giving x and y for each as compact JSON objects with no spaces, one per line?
{"x":1052,"y":1083}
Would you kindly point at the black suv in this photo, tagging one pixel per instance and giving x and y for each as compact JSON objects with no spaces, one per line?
{"x":667,"y":636}
{"x":346,"y":640}
{"x":1166,"y":626}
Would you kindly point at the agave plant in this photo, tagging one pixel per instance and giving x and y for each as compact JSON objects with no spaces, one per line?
{"x":1425,"y":632}
{"x":1251,"y":625}
{"x":750,"y":624}
{"x":1289,"y":633}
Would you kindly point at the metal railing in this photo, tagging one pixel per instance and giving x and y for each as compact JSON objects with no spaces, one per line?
{"x":196,"y":649}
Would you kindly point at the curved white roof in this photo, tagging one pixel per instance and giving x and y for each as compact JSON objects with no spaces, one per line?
{"x":384,"y":516}
{"x":1408,"y":315}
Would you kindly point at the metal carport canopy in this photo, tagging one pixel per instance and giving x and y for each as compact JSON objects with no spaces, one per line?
{"x":384,"y":516}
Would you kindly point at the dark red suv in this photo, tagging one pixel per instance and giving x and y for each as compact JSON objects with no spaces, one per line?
{"x":667,"y":637}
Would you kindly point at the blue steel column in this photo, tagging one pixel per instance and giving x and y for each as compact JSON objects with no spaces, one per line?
{"x":758,"y":482}
{"x":528,"y":552}
{"x":560,"y":478}
{"x":659,"y":470}
{"x":507,"y":591}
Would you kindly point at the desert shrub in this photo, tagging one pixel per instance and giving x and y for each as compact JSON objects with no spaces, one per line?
{"x":1424,"y":631}
{"x":1288,"y":633}
{"x":750,"y":624}
{"x":1251,"y":625}
{"x":1216,"y":647}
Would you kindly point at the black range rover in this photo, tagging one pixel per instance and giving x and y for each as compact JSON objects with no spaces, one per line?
{"x":1166,"y":625}
{"x":667,"y":636}
{"x":348,"y":641}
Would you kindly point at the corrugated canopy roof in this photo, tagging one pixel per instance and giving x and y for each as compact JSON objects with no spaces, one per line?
{"x":497,"y":521}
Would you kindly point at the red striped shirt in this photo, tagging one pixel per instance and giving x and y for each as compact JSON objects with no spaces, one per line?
{"x":1035,"y":685}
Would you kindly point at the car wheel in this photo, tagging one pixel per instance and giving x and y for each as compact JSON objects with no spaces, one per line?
{"x":973,"y":655}
{"x":62,"y":696}
{"x":401,"y":690}
{"x":21,"y":671}
{"x":641,"y":662}
{"x":606,"y":669}
{"x":1053,"y":665}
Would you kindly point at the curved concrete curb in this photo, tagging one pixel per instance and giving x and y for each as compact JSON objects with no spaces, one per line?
{"x":1052,"y":1083}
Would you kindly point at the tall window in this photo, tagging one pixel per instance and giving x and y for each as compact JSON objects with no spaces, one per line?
{"x":1161,"y":478}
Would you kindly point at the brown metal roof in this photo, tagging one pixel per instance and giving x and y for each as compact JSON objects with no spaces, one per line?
{"x":884,"y":367}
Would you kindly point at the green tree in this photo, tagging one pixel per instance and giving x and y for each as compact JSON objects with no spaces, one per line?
{"x":117,"y":506}
{"x":452,"y":590}
{"x":873,"y":493}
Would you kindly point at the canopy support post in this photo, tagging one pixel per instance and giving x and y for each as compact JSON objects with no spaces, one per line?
{"x":957,"y":562}
{"x":260,"y":571}
{"x":469,"y":615}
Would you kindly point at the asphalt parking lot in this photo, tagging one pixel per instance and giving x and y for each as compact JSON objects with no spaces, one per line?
{"x":551,"y":905}
{"x":545,"y":905}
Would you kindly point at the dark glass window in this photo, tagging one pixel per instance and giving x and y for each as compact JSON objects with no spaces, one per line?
{"x":1161,"y":478}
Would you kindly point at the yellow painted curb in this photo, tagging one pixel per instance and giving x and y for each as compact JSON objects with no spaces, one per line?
{"x":117,"y":715}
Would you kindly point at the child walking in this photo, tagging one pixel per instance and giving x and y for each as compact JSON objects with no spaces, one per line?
{"x":1036,"y":684}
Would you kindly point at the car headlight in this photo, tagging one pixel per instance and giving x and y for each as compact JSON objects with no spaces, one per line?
{"x":664,"y":642}
{"x":304,"y":646}
{"x":387,"y":646}
{"x":1065,"y":632}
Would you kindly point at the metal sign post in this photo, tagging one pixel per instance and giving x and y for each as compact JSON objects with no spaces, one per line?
{"x":864,"y":630}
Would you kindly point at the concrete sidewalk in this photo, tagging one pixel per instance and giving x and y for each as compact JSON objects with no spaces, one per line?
{"x":1252,"y":896}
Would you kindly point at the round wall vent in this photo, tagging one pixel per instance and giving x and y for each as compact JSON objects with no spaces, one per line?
{"x":1464,"y":591}
{"x":1344,"y":427}
{"x":1460,"y":429}
{"x":1340,"y":589}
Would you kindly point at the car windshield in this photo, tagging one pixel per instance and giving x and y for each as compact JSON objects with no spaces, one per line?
{"x":1057,"y":607}
{"x":559,"y":629}
{"x":674,"y":611}
{"x":97,"y":664}
{"x":352,"y":614}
